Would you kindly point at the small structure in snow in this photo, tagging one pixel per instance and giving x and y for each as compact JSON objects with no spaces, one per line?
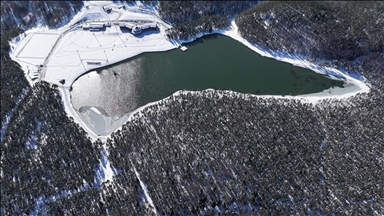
{"x":183,"y":48}
{"x":136,"y":30}
{"x":128,"y":25}
{"x":94,"y":26}
{"x":62,"y":81}
{"x":94,"y":63}
{"x":107,"y":9}
{"x":33,"y":73}
{"x":121,"y":7}
{"x":145,"y":26}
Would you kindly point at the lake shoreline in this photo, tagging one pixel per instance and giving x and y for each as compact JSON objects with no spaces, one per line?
{"x":358,"y":86}
{"x":353,"y":86}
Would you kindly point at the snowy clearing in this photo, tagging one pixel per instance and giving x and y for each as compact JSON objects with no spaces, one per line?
{"x":35,"y":49}
{"x":68,"y":52}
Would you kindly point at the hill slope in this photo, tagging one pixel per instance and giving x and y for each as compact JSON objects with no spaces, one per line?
{"x":348,"y":35}
{"x":209,"y":152}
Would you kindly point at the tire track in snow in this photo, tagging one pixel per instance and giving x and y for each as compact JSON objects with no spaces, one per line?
{"x":105,"y":172}
{"x":147,"y":197}
{"x":40,"y":202}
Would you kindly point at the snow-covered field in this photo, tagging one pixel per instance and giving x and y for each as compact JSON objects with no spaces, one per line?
{"x":35,"y":49}
{"x":70,"y":51}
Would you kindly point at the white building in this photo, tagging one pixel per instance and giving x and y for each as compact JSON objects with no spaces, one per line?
{"x":149,"y":25}
{"x":136,"y":30}
{"x":94,"y":25}
{"x":128,"y":25}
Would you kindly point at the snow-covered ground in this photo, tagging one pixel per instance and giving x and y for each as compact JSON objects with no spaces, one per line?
{"x":70,"y":51}
{"x":66,"y":53}
{"x":35,"y":49}
{"x":105,"y":172}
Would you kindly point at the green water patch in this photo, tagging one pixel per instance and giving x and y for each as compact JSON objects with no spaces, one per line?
{"x":213,"y":61}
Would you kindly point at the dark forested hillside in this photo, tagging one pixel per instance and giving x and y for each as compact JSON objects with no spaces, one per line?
{"x":238,"y":154}
{"x":13,"y":85}
{"x":209,"y":152}
{"x":43,"y":153}
{"x":27,"y":14}
{"x":194,"y":17}
{"x":349,"y":34}
{"x":123,"y":197}
{"x":17,"y":16}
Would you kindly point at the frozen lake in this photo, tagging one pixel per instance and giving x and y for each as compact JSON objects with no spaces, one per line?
{"x":214,"y":61}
